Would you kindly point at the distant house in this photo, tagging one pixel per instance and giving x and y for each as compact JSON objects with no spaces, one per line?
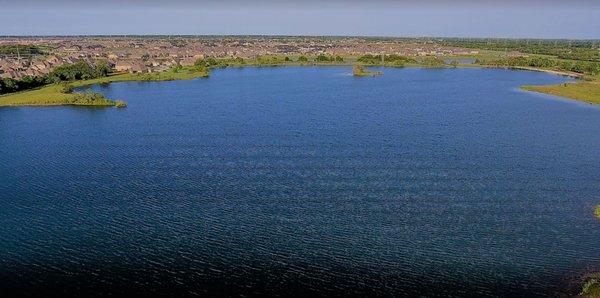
{"x":170,"y":62}
{"x":123,"y":66}
{"x":52,"y":59}
{"x":161,"y":68}
{"x":138,"y":67}
{"x":190,"y":61}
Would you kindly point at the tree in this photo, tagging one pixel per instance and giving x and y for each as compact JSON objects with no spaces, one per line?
{"x":76,"y":71}
{"x":9,"y":85}
{"x":102,"y":69}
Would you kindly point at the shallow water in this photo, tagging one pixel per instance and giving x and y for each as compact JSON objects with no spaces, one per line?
{"x":295,"y":181}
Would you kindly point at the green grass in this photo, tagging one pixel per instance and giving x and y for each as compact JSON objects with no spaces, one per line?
{"x":586,"y":91}
{"x":47,"y":96}
{"x":597,"y":212}
{"x":591,"y":286}
{"x":57,"y":94}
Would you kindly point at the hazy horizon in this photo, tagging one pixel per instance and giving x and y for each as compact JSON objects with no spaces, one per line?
{"x":283,"y":35}
{"x":431,"y":18}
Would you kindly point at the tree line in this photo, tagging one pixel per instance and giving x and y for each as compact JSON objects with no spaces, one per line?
{"x":582,"y":67}
{"x":584,"y":50}
{"x":392,"y":59}
{"x":80,"y":70}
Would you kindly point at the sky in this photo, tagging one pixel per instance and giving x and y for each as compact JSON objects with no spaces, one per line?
{"x":572,"y":19}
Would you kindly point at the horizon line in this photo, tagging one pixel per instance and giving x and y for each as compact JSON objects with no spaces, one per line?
{"x":302,"y":35}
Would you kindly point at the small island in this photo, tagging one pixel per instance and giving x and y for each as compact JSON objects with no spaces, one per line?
{"x":359,"y":71}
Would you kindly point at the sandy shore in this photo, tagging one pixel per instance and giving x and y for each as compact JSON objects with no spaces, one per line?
{"x":557,"y":72}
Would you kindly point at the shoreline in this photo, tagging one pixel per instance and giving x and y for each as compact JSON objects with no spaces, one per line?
{"x":556,"y":72}
{"x":54,"y":94}
{"x":50,"y":95}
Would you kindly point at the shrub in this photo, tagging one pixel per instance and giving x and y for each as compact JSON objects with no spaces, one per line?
{"x":591,"y":288}
{"x":66,"y":88}
{"x":89,"y":98}
{"x":120,"y":104}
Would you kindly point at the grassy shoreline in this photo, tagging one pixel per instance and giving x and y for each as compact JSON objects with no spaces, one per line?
{"x":588,"y":92}
{"x":56,"y":95}
{"x":52,"y":95}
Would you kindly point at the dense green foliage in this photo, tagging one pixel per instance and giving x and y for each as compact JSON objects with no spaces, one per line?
{"x":269,"y":60}
{"x":71,"y":72}
{"x":582,"y":67}
{"x":302,"y":59}
{"x":585,"y":50}
{"x":8,"y":85}
{"x":326,"y":58}
{"x":432,"y":61}
{"x":79,"y":71}
{"x":22,"y":50}
{"x":88,"y":98}
{"x":205,"y":63}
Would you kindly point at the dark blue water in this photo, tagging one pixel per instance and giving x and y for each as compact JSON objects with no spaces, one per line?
{"x":298,"y":181}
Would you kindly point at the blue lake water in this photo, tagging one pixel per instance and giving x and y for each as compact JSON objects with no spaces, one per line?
{"x":298,"y":181}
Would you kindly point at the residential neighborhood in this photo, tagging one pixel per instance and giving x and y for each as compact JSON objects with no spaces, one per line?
{"x":142,"y":54}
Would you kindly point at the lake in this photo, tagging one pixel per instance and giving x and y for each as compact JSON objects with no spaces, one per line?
{"x":304,"y":181}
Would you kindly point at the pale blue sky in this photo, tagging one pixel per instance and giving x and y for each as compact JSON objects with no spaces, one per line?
{"x":484,"y":18}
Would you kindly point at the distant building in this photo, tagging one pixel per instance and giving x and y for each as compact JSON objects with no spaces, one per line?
{"x":190,"y":61}
{"x":123,"y":66}
{"x":139,"y":67}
